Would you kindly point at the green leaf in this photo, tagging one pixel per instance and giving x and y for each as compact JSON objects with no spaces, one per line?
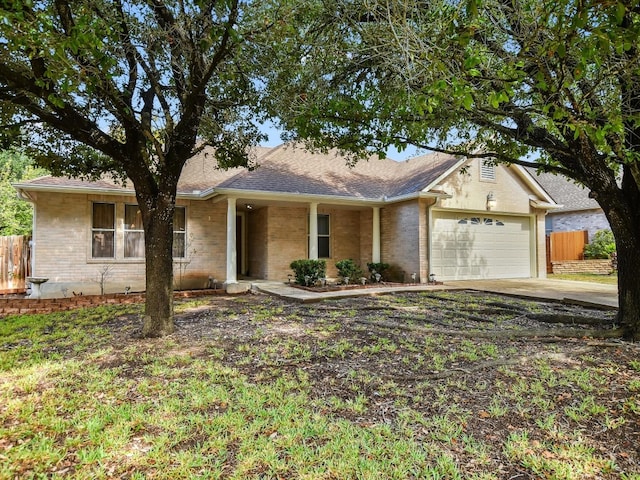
{"x":620,"y":12}
{"x":467,"y":101}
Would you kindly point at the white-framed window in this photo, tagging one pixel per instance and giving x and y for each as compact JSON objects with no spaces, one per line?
{"x":103,"y":230}
{"x":180,"y":232}
{"x":487,"y":171}
{"x":481,"y":221}
{"x":324,"y":236}
{"x":133,"y":232}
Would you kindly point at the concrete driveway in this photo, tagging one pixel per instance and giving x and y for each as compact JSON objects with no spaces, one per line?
{"x":577,"y":292}
{"x":586,"y":293}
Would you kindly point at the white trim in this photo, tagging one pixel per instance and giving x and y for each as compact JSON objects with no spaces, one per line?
{"x":416,"y":196}
{"x":544,"y":205}
{"x":533,"y":184}
{"x":232,"y":276}
{"x":313,"y":231}
{"x":299,"y":197}
{"x":442,"y":177}
{"x":375,"y":236}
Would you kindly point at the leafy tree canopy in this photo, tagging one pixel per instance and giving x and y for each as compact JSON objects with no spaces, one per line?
{"x":135,"y":88}
{"x":553,"y":81}
{"x":15,"y":214}
{"x":514,"y":78}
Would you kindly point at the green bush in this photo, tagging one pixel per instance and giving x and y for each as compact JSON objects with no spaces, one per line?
{"x":602,"y":245}
{"x":377,"y":267}
{"x":311,"y":270}
{"x":349,"y":269}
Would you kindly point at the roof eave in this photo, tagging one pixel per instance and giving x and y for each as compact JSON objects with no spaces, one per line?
{"x":26,"y":187}
{"x":544,"y":205}
{"x":533,"y":184}
{"x":299,"y":197}
{"x":448,"y":172}
{"x":415,"y":196}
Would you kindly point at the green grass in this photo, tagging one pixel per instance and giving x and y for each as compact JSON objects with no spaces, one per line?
{"x":585,"y":277}
{"x":303,"y":396}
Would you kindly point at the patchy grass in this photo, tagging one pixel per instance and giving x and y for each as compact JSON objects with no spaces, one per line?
{"x":585,"y":277}
{"x":398,"y":386}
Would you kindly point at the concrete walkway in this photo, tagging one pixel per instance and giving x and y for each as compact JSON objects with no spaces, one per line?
{"x":585,"y":293}
{"x":305,"y":296}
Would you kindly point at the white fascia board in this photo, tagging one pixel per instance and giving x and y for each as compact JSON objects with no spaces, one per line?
{"x":59,"y":189}
{"x":544,"y":205}
{"x":199,"y":194}
{"x":299,"y":197}
{"x":24,"y":188}
{"x":534,"y":185}
{"x":441,"y":178}
{"x":416,"y":195}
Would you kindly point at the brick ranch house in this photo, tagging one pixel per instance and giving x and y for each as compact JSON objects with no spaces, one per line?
{"x":454,"y":217}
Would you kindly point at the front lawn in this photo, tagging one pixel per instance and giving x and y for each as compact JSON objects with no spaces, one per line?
{"x":424,"y":385}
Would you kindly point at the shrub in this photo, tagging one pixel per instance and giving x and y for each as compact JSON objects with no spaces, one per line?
{"x":349,"y":269}
{"x":311,"y":269}
{"x":377,"y":267}
{"x":602,"y":245}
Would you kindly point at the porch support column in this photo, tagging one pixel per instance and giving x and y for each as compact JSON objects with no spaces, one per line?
{"x":313,"y":231}
{"x":231,"y":242}
{"x":375,"y":238}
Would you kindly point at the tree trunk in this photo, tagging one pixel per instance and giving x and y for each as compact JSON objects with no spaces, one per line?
{"x":625,"y":231}
{"x":158,"y":235}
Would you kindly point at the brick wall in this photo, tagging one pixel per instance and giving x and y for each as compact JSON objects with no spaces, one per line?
{"x":24,"y":306}
{"x":62,"y":246}
{"x":285,"y":229}
{"x":591,"y":220}
{"x":400,"y":228}
{"x":602,"y":267}
{"x":286,"y":240}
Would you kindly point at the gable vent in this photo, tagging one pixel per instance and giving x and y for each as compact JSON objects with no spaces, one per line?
{"x":487,"y":171}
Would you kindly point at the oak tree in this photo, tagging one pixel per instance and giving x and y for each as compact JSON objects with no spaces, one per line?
{"x":553,"y":82}
{"x":134,"y":88}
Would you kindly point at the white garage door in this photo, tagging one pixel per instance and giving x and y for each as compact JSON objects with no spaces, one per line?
{"x":473,"y":246}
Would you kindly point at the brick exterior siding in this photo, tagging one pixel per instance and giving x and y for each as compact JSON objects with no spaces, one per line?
{"x":279,"y":235}
{"x":400,"y":237}
{"x":591,"y":220}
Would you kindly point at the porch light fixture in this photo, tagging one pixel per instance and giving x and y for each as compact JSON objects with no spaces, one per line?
{"x":248,"y":206}
{"x":491,"y":201}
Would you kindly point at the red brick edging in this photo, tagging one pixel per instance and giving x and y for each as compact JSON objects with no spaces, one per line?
{"x":15,"y":306}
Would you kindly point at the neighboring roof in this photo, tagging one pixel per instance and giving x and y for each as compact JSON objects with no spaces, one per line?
{"x":564,"y":191}
{"x":288,"y":169}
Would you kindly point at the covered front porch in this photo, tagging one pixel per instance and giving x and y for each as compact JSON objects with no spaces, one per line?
{"x":264,"y":235}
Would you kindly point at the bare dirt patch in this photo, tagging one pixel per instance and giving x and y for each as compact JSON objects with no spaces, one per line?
{"x":504,"y":385}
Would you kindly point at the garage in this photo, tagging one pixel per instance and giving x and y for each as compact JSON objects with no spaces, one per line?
{"x":467,"y":246}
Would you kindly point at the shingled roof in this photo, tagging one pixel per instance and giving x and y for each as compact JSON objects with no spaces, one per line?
{"x":290,"y":169}
{"x":565,"y":192}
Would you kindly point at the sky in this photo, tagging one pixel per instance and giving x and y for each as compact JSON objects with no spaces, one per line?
{"x":274,"y":140}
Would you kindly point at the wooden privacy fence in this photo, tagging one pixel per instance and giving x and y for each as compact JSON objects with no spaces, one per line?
{"x":15,"y":263}
{"x":566,"y":246}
